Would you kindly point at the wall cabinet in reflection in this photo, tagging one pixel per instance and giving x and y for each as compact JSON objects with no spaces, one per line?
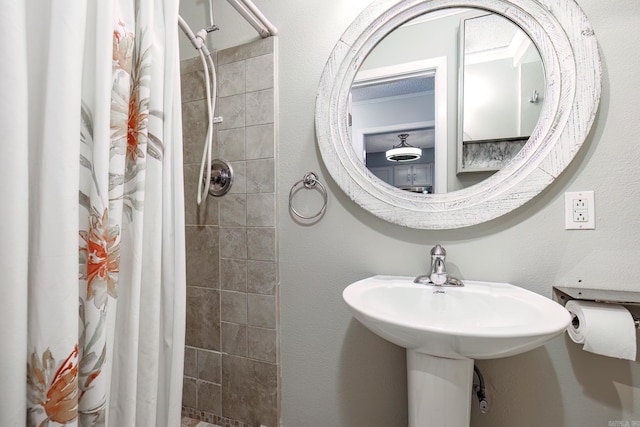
{"x":405,"y":176}
{"x":384,"y":173}
{"x":413,"y":175}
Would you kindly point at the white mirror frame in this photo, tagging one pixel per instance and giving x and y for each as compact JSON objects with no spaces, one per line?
{"x":573,"y":74}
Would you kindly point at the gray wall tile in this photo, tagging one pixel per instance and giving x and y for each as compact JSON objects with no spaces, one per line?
{"x":259,"y":141}
{"x":190,"y":362}
{"x":262,"y":344}
{"x":239,"y":177}
{"x":233,"y":274}
{"x":261,"y":210}
{"x":209,"y":397}
{"x":189,"y":392}
{"x":261,"y":244}
{"x":231,"y":144}
{"x":234,"y":339}
{"x":259,"y":74}
{"x":260,"y":176}
{"x":233,"y":210}
{"x":207,"y":212}
{"x":193,"y":86}
{"x":209,"y":366}
{"x":194,"y":131}
{"x":261,"y":311}
{"x":261,"y":277}
{"x":234,"y":307}
{"x":249,"y":391}
{"x":191,"y":64}
{"x":203,"y":318}
{"x":245,"y":51}
{"x":259,"y":107}
{"x":232,"y":110}
{"x":233,"y":242}
{"x":202,"y":256}
{"x":231,"y":78}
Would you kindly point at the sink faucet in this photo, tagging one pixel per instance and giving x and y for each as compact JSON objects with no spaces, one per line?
{"x":438,"y":275}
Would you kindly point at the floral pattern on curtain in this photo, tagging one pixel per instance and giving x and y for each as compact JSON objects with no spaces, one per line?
{"x":53,"y":387}
{"x":121,"y":174}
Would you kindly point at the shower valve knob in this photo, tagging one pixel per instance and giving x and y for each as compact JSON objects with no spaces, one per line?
{"x":221,"y":177}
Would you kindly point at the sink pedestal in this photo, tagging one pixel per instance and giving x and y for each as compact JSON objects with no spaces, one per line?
{"x":439,"y":390}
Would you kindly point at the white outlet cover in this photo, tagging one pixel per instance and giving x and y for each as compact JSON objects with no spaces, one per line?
{"x":589,"y":211}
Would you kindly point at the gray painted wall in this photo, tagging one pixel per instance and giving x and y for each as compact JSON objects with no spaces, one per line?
{"x":335,"y":372}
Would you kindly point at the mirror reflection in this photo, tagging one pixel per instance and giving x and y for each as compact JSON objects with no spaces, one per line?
{"x":393,"y":127}
{"x":405,"y":99}
{"x":502,"y":86}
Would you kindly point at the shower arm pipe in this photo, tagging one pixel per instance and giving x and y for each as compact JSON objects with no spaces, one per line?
{"x":212,"y":21}
{"x":255,"y":17}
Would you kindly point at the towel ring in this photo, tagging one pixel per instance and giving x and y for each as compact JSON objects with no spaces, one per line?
{"x":309,"y":181}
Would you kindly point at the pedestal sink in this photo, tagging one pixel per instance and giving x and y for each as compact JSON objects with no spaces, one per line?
{"x":445,"y":328}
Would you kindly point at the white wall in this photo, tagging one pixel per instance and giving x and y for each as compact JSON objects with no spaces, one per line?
{"x":334,"y":371}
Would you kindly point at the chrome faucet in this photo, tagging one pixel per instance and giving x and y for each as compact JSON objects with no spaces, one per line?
{"x":438,"y":275}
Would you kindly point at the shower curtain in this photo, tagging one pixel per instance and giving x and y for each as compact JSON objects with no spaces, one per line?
{"x":92,"y":262}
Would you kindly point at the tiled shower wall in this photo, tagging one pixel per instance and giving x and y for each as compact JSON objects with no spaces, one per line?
{"x":231,"y":354}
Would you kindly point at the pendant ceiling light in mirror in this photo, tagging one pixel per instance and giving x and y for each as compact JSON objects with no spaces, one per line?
{"x":403,"y":152}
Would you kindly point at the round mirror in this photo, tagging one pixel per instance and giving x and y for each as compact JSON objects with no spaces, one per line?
{"x":565,"y":94}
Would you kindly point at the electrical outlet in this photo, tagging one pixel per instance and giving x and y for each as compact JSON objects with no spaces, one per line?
{"x":579,"y":210}
{"x":580,"y":216}
{"x":580,"y":204}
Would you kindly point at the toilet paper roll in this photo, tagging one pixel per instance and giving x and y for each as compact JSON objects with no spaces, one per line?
{"x":606,"y":329}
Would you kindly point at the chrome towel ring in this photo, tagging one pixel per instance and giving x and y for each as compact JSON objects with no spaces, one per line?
{"x":309,"y":181}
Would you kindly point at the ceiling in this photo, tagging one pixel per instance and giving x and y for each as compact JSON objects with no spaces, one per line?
{"x":393,"y":87}
{"x":488,"y":32}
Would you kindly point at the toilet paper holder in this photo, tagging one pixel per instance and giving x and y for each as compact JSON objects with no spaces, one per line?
{"x":563,"y":294}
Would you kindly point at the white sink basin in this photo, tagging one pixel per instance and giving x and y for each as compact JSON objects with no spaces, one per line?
{"x":481,"y":320}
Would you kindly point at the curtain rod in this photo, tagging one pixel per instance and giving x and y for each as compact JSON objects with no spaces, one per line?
{"x":255,"y":17}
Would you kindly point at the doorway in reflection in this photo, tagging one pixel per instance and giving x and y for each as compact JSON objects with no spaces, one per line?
{"x":391,"y":112}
